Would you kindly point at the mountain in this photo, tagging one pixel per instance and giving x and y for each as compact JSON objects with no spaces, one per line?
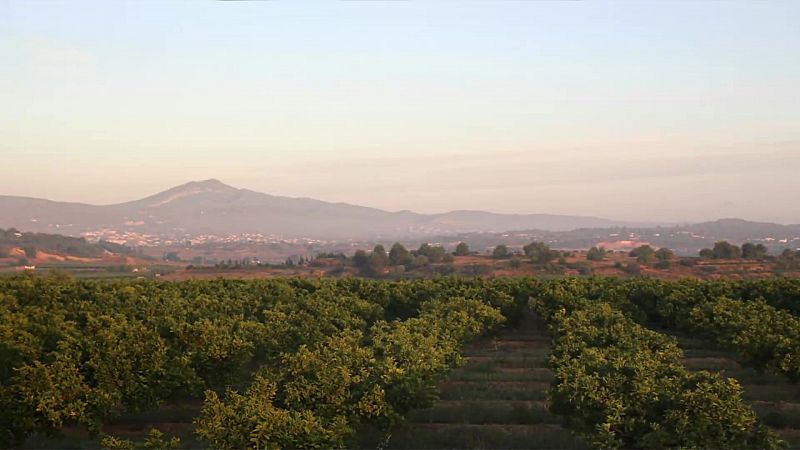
{"x":212,"y":207}
{"x":742,"y":230}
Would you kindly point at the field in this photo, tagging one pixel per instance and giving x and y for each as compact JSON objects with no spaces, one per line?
{"x":444,"y":363}
{"x":45,"y":253}
{"x":498,"y":399}
{"x":574,"y":264}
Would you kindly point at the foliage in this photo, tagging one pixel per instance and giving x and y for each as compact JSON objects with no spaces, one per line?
{"x":722,"y":250}
{"x":643,"y":254}
{"x":500,"y":252}
{"x":596,"y":254}
{"x":664,"y":254}
{"x":156,"y":440}
{"x":31,"y":243}
{"x":399,"y":256}
{"x":757,"y":319}
{"x":83,"y":352}
{"x":433,"y":253}
{"x":313,"y":361}
{"x":319,"y":396}
{"x":619,"y":385}
{"x":462,"y":249}
{"x":663,"y":264}
{"x":789,"y":260}
{"x":540,"y":253}
{"x":753,"y":251}
{"x":360,"y":258}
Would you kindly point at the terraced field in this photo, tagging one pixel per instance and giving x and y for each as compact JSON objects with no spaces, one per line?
{"x":496,"y":400}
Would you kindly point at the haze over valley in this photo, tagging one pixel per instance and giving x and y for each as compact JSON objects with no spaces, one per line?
{"x":210,"y":212}
{"x":211,"y":207}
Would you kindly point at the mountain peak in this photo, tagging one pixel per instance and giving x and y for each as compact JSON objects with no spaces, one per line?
{"x":189,"y":189}
{"x":211,"y":183}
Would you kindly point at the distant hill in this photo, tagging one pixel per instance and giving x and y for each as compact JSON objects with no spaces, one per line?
{"x":683,"y":239}
{"x":14,"y":243}
{"x":212,"y":207}
{"x":741,"y":230}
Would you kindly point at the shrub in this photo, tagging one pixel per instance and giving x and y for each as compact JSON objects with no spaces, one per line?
{"x":663,"y":264}
{"x":596,"y":254}
{"x":688,"y":262}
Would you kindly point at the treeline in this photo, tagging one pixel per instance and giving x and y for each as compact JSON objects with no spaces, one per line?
{"x":664,"y":258}
{"x":788,"y":259}
{"x":378,"y":260}
{"x":432,"y":260}
{"x":399,"y":259}
{"x":726,"y":250}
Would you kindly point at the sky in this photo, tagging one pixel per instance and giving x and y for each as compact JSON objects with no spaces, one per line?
{"x":668,"y":111}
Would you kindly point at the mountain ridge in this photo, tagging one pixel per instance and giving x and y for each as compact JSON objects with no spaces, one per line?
{"x":213,"y":207}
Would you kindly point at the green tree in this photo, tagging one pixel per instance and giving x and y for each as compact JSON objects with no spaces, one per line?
{"x":500,"y":252}
{"x":663,"y":264}
{"x":596,"y":254}
{"x":788,"y":260}
{"x":435,"y":254}
{"x":380,"y":252}
{"x":399,"y":256}
{"x":378,"y":261}
{"x":726,"y":250}
{"x":664,"y":254}
{"x":753,"y":251}
{"x":643,"y":254}
{"x":360,"y":258}
{"x":540,"y":253}
{"x":462,"y":249}
{"x":420,"y":261}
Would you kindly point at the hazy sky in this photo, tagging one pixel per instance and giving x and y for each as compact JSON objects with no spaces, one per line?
{"x":627,"y":110}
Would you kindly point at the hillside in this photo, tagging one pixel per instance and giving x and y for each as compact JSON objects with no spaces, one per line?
{"x":30,"y":246}
{"x":212,"y":207}
{"x":683,"y":239}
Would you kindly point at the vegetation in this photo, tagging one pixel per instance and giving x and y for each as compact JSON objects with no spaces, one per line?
{"x":789,"y":260}
{"x":288,"y":363}
{"x":399,"y":256}
{"x":722,"y":250}
{"x":500,"y":252}
{"x":643,"y":254}
{"x":327,"y":356}
{"x":596,"y":254}
{"x":753,"y":251}
{"x":756,"y":319}
{"x":620,"y":385}
{"x":32,"y":243}
{"x":540,"y":253}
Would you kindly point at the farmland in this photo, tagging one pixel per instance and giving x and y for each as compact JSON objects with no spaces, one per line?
{"x":453,"y":362}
